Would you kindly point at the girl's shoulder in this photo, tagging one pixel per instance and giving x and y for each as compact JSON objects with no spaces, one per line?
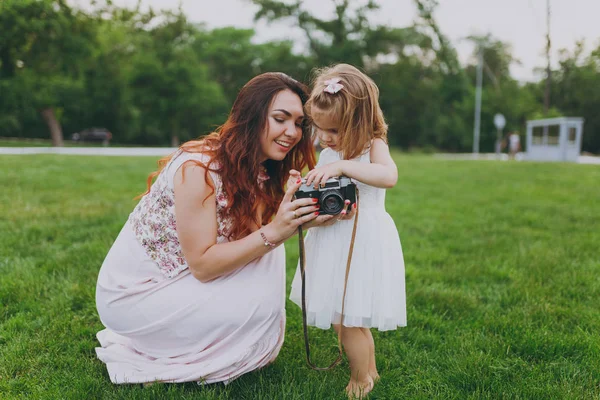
{"x":327,"y":152}
{"x":327,"y":156}
{"x":365,"y":156}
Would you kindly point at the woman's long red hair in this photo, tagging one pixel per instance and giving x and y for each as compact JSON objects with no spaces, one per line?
{"x":235,"y":150}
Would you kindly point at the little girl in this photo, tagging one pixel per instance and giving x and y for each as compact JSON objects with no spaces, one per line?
{"x":345,"y":112}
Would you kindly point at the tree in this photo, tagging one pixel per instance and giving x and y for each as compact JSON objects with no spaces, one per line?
{"x":501,"y":93}
{"x":497,"y":59}
{"x":347,"y":37}
{"x":233,"y":59}
{"x":230,"y":56}
{"x":171,"y":87}
{"x":576,"y":91}
{"x":43,"y":45}
{"x":394,"y":57}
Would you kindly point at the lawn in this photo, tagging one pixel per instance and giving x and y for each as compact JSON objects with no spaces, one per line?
{"x":12,"y":142}
{"x":502,"y":275}
{"x":8,"y":142}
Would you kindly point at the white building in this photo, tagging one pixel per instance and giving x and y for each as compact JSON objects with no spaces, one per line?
{"x":554,"y":139}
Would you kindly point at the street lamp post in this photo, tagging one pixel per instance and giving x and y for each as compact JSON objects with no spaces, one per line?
{"x":499,"y":122}
{"x":477,"y":125}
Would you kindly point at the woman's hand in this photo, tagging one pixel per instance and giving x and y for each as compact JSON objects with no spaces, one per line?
{"x":291,"y":213}
{"x":319,"y":176}
{"x":348,"y":212}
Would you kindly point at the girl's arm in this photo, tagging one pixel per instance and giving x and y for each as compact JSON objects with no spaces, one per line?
{"x":196,"y":221}
{"x":381,"y":172}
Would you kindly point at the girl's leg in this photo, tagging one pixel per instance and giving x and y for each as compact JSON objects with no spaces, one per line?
{"x":372,"y":365}
{"x":357,"y":350}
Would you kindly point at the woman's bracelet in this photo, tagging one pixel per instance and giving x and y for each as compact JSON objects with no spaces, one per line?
{"x":267,"y":242}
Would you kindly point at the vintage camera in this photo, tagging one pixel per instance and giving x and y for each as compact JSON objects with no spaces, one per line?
{"x":331,"y":196}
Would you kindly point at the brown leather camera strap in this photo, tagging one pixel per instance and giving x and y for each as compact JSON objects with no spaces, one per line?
{"x":302,"y":275}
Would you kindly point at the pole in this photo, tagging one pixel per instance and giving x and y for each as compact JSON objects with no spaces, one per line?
{"x":477,"y":126}
{"x":498,"y":142}
{"x":548,"y":70}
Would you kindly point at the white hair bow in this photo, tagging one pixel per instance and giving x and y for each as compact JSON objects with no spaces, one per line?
{"x":333,"y":85}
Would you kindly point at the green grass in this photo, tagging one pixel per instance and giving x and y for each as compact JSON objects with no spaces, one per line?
{"x":502,"y":273}
{"x":25,"y":142}
{"x":9,"y":142}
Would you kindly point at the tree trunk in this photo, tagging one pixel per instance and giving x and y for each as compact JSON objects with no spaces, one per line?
{"x":174,"y":140}
{"x":8,"y":68}
{"x":53,"y":125}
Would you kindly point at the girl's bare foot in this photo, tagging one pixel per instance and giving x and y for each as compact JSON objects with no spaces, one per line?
{"x":359,"y":390}
{"x":375,"y":376}
{"x":372,"y":365}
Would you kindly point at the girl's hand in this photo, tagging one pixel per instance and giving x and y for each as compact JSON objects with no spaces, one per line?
{"x":319,"y":176}
{"x":291,"y":213}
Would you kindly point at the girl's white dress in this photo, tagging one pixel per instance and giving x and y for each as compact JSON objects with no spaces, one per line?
{"x":375,"y":295}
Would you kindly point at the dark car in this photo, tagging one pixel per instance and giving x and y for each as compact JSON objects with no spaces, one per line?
{"x":93,"y":135}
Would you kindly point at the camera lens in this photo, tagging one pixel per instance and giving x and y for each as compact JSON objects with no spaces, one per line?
{"x":331,"y":202}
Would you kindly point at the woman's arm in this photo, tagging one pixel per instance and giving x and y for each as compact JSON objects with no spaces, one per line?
{"x":196,"y":221}
{"x":381,"y":172}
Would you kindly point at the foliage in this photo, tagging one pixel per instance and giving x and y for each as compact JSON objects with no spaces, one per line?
{"x":576,"y":91}
{"x":41,"y":39}
{"x":155,"y":78}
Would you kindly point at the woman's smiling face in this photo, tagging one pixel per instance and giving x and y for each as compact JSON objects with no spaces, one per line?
{"x":284,"y":126}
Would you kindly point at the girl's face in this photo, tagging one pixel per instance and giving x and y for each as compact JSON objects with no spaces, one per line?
{"x":284,"y":126}
{"x":327,"y":128}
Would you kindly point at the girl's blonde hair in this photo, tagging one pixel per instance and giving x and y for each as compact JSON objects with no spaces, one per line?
{"x":355,"y":107}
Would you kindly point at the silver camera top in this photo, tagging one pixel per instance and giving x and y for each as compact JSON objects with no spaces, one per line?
{"x":331,"y":183}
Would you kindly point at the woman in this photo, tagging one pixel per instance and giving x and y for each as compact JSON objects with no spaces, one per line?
{"x":193,"y":287}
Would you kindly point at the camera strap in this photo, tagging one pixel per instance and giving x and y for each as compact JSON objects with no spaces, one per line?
{"x":302,"y":275}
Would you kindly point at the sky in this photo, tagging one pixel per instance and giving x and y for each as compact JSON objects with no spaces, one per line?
{"x":521,"y":23}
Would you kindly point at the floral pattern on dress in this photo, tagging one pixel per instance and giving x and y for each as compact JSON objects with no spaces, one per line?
{"x":154,"y":226}
{"x":263,"y":175}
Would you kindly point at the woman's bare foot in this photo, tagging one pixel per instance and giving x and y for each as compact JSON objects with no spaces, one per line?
{"x":359,"y":390}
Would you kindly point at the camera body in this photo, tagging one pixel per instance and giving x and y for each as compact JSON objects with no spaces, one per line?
{"x":331,"y":196}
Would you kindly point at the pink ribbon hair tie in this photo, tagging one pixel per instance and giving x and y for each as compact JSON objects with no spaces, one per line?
{"x":333,"y":85}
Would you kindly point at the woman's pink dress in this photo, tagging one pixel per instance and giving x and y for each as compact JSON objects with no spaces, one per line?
{"x":162,"y":324}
